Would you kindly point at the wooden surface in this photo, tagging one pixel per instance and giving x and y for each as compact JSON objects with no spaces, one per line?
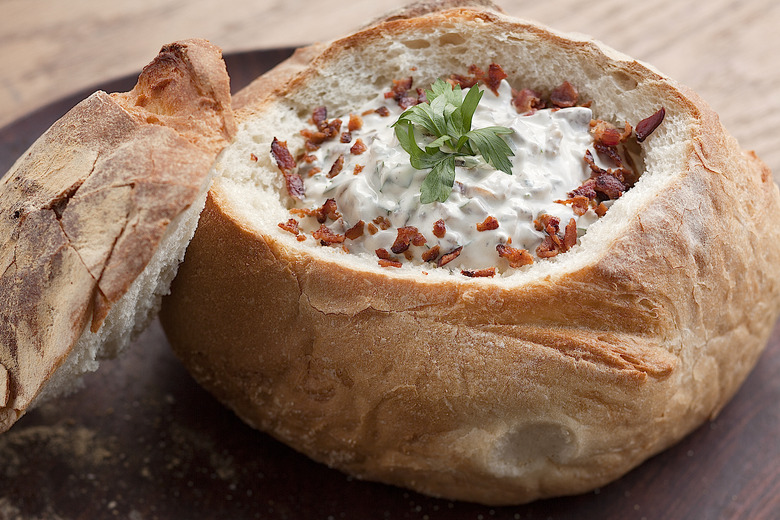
{"x":143,"y":441}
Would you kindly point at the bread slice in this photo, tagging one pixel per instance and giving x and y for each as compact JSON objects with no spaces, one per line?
{"x":553,"y":380}
{"x":95,"y":217}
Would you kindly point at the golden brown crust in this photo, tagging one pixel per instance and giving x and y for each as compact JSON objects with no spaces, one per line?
{"x":83,"y":211}
{"x":487,"y":389}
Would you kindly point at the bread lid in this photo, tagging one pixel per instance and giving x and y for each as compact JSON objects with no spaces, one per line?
{"x":95,"y":217}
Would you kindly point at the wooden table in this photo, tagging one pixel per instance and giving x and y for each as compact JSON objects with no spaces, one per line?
{"x":143,"y":441}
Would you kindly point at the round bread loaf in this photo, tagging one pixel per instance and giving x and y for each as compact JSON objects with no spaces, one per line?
{"x":553,"y":378}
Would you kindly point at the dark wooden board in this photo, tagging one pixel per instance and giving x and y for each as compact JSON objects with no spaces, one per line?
{"x":142,"y":441}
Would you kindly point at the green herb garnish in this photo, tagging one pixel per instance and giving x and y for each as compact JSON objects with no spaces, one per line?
{"x":446,"y":119}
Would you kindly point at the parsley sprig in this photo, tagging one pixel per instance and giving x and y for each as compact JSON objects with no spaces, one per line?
{"x":446,"y":120}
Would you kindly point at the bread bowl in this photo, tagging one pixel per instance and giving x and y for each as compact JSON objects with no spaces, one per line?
{"x":548,"y":379}
{"x":95,"y":217}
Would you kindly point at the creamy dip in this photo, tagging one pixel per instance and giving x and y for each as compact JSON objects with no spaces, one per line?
{"x":548,"y":146}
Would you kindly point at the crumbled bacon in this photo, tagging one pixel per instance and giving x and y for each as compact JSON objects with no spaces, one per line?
{"x":346,"y":137}
{"x":490,"y":223}
{"x":326,"y":236}
{"x":358,"y":148}
{"x":355,"y":231}
{"x":527,"y":100}
{"x":319,"y":117}
{"x":592,"y":163}
{"x":291,"y":225}
{"x":355,"y":122}
{"x":586,"y":190}
{"x":487,"y":272}
{"x":390,"y":263}
{"x":606,"y":133}
{"x":579,"y":204}
{"x":609,"y":151}
{"x":282,"y":156}
{"x":516,"y":257}
{"x":462,"y":81}
{"x":547,"y":249}
{"x":382,"y":111}
{"x":404,"y":239}
{"x":383,"y":253}
{"x":400,"y":93}
{"x":439,"y":228}
{"x":418,"y":240}
{"x":358,"y":169}
{"x":328,"y":210}
{"x":382,"y":222}
{"x":601,"y":209}
{"x":253,"y":157}
{"x":338,"y":165}
{"x":494,"y":76}
{"x":431,"y":254}
{"x":570,"y":235}
{"x":609,"y":185}
{"x":422,"y":97}
{"x":372,"y":228}
{"x":564,"y":96}
{"x":648,"y":125}
{"x":446,"y":258}
{"x":309,"y":158}
{"x":408,"y":254}
{"x":314,"y":171}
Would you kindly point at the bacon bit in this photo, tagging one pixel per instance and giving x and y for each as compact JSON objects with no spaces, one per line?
{"x":294,"y":184}
{"x":579,"y":204}
{"x":390,"y":263}
{"x":570,"y":235}
{"x":301,"y":238}
{"x":422,"y":97}
{"x":408,"y":255}
{"x":648,"y":125}
{"x":346,"y":137}
{"x":564,"y":96}
{"x":333,"y":128}
{"x":358,"y":148}
{"x":291,"y":225}
{"x":328,"y":210}
{"x":462,"y":81}
{"x":403,"y":239}
{"x":253,"y":157}
{"x":490,"y":223}
{"x":372,"y":228}
{"x":592,"y":163}
{"x":314,"y":171}
{"x":527,"y":100}
{"x":319,"y":117}
{"x":338,"y":165}
{"x":418,"y":240}
{"x":400,"y":87}
{"x":383,"y":253}
{"x":355,"y":122}
{"x":609,"y":151}
{"x":282,"y":156}
{"x":358,"y":169}
{"x":431,"y":254}
{"x":355,"y":231}
{"x":382,"y":111}
{"x":517,"y":257}
{"x":446,"y":258}
{"x":439,"y":228}
{"x":586,"y":190}
{"x":547,"y":223}
{"x":487,"y":272}
{"x":494,"y":76}
{"x":601,"y":209}
{"x":606,"y":133}
{"x":382,"y":222}
{"x":609,"y":185}
{"x":309,"y":158}
{"x":326,"y":236}
{"x":547,"y":249}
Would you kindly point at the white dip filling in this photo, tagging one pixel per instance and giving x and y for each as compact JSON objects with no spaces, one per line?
{"x":549,"y":146}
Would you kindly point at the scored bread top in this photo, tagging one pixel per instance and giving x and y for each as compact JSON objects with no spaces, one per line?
{"x":83,"y":211}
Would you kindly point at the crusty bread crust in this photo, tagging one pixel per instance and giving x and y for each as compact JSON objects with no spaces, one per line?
{"x":551,"y":381}
{"x":83,"y":211}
